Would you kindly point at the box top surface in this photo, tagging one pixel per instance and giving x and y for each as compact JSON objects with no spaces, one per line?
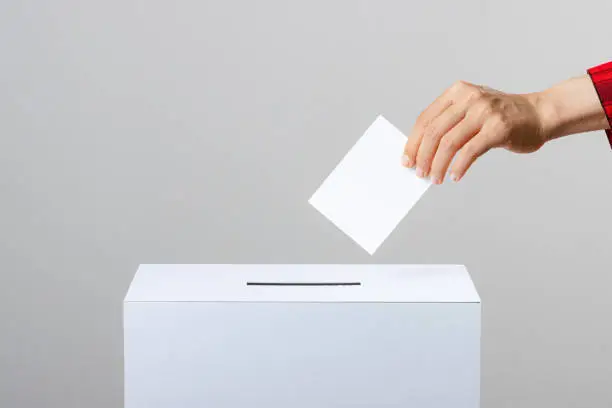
{"x":303,"y":283}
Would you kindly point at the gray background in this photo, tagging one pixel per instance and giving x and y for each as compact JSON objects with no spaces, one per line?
{"x":194,"y":132}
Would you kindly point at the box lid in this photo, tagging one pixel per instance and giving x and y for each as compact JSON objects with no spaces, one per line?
{"x":302,"y":283}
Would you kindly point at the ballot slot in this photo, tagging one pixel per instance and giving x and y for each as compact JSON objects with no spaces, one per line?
{"x":303,"y":283}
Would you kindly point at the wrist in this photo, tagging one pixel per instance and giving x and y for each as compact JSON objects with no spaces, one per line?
{"x":547,"y":112}
{"x":569,"y":107}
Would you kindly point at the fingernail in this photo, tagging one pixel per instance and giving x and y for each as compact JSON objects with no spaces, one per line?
{"x":419,"y":172}
{"x":454,"y":177}
{"x":435,"y":180}
{"x":406,"y":162}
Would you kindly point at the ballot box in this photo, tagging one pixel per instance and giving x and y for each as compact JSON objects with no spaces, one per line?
{"x":302,"y":336}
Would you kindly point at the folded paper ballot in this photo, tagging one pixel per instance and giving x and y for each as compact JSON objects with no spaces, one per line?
{"x":370,"y":192}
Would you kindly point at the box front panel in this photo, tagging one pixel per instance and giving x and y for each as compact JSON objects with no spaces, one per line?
{"x":302,"y":355}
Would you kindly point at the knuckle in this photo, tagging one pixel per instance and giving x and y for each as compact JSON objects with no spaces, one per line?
{"x":416,"y":136}
{"x":448,"y":144}
{"x":430,"y":132}
{"x":484,"y":105}
{"x":499,"y":121}
{"x":503,"y":125}
{"x":460,"y":85}
{"x":497,"y":117}
{"x":476,"y":94}
{"x":481,"y":108}
{"x":470,"y":151}
{"x":488,"y":111}
{"x":422,"y":123}
{"x":423,"y":160}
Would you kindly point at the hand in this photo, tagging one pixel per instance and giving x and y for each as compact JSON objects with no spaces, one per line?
{"x":468,"y":120}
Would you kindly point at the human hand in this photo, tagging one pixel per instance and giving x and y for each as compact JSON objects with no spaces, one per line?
{"x":468,"y":120}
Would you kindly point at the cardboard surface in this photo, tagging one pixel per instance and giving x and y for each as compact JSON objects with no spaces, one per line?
{"x":302,"y":283}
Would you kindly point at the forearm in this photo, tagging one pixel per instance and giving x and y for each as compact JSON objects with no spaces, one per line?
{"x":570,"y":107}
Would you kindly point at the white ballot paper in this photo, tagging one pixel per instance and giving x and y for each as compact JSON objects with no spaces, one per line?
{"x":370,"y":192}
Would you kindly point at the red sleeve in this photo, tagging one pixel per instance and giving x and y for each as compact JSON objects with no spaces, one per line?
{"x":601,"y":75}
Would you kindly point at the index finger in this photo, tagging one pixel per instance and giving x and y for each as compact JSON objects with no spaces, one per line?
{"x":411,"y":147}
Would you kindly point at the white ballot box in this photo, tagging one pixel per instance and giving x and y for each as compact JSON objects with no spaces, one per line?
{"x":302,"y":336}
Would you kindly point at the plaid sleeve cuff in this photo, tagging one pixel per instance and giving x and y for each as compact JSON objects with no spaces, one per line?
{"x":601,"y":75}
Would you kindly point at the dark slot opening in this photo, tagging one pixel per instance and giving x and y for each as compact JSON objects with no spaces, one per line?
{"x":303,"y":283}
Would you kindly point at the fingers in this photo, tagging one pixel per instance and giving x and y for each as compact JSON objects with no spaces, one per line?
{"x":428,"y":125}
{"x":411,"y":148}
{"x":456,"y":138}
{"x":432,"y":136}
{"x":482,"y":142}
{"x":458,"y":125}
{"x":425,"y":118}
{"x":450,"y":144}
